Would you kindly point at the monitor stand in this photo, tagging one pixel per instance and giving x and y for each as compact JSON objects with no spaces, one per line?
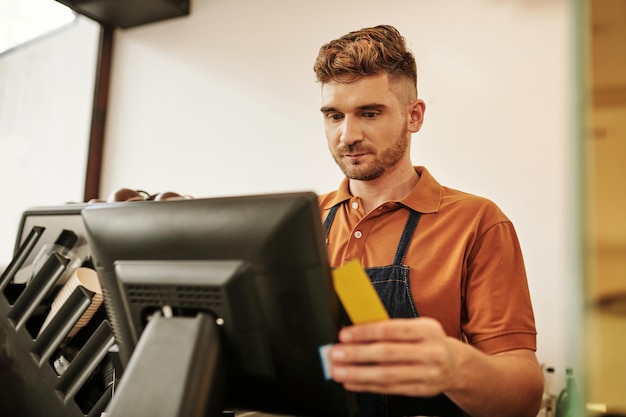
{"x":176,"y":370}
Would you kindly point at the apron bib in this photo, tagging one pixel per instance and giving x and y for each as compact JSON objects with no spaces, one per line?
{"x":392,"y":284}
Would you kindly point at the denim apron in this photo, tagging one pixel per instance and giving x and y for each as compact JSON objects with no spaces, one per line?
{"x":392,"y":284}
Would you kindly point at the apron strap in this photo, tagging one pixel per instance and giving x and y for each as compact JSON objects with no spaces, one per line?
{"x":407,"y":235}
{"x":329,"y":220}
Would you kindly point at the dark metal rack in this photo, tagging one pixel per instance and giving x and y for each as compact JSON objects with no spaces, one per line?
{"x":30,"y":381}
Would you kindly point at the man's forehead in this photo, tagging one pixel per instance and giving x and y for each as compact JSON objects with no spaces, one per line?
{"x":367,"y":91}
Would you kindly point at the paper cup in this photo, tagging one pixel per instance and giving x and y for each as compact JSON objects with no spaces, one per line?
{"x":87,"y":278}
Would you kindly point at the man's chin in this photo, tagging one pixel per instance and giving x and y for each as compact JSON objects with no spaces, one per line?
{"x":362,"y":174}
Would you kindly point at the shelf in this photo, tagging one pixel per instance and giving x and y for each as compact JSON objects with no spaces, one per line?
{"x":128,"y":13}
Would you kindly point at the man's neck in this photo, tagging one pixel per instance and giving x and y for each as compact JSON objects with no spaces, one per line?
{"x":393,"y":185}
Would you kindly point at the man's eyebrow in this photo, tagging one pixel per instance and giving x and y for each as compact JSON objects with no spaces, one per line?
{"x":371,"y":106}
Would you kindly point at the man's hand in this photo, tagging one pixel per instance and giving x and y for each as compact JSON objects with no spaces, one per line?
{"x":414,"y":357}
{"x":401,"y":356}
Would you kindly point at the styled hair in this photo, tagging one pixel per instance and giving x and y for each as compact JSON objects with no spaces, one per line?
{"x":369,"y":51}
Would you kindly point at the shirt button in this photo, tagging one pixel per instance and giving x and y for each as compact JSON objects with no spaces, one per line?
{"x":355,"y":205}
{"x":358,"y":234}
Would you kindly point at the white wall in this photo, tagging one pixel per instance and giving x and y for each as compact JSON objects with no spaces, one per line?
{"x":224,"y":102}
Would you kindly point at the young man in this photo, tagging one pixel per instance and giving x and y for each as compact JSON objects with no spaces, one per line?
{"x":446,"y":264}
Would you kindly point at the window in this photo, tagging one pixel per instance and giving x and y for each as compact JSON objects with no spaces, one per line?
{"x":21,"y":21}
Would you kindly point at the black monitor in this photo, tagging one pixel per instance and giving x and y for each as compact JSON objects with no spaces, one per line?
{"x":226,"y":299}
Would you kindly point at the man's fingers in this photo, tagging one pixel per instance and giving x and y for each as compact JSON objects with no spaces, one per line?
{"x":388,"y":353}
{"x":397,"y":379}
{"x":414,"y":329}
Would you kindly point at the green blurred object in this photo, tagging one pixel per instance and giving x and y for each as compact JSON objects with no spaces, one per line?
{"x":568,"y":403}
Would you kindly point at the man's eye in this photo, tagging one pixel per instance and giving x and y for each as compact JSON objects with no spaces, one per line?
{"x":334,"y":116}
{"x":369,"y":114}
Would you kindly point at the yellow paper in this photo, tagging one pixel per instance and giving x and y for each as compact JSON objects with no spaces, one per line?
{"x":357,"y":294}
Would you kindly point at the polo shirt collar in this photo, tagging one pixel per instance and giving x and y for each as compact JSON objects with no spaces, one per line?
{"x":424,"y":198}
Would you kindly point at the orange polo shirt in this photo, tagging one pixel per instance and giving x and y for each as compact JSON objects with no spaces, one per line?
{"x":466,"y":265}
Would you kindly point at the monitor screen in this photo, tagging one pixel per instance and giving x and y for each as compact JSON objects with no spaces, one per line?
{"x":255,"y":265}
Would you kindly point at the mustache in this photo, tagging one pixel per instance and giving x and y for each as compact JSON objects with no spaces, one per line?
{"x":352,"y":148}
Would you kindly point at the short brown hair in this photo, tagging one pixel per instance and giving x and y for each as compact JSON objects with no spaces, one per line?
{"x":364,"y":52}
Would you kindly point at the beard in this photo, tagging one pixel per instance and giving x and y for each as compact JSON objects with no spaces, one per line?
{"x":387,"y":158}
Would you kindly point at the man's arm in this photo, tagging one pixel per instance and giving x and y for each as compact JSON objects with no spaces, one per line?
{"x":414,"y":357}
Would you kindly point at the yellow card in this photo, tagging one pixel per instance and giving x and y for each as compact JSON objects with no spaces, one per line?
{"x":357,"y":294}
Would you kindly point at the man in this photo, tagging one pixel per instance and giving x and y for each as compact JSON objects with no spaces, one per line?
{"x":446,"y":264}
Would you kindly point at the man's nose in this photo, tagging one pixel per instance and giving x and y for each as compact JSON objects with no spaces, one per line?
{"x":351,"y":131}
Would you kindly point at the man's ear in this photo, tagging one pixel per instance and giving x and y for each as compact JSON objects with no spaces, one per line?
{"x":416,"y":115}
